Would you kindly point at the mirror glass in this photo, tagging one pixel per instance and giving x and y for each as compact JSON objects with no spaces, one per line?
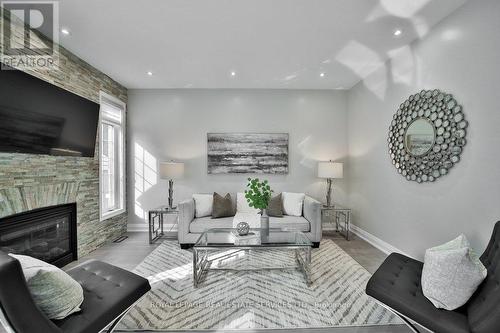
{"x":419,"y":137}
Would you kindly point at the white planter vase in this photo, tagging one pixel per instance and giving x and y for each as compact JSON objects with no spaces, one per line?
{"x":264,"y":224}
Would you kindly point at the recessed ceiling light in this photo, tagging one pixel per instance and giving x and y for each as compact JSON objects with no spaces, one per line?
{"x":397,"y":32}
{"x":322,"y":74}
{"x":233,"y":73}
{"x":150,"y":73}
{"x":65,"y":31}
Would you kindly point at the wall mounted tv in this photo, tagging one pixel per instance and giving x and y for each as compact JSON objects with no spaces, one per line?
{"x":37,"y":117}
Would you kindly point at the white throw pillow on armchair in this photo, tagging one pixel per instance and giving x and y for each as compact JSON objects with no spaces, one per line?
{"x":451,"y":274}
{"x":293,"y":203}
{"x":55,"y":292}
{"x":203,"y":204}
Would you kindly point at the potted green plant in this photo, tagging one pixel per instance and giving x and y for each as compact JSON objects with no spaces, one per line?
{"x":258,"y":196}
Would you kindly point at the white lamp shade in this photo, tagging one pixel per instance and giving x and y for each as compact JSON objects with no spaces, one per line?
{"x":171,"y":170}
{"x":330,"y":170}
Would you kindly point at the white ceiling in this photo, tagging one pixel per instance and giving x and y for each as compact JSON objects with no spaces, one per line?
{"x":267,"y":43}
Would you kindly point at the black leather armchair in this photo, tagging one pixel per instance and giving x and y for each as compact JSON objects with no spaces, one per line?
{"x":396,"y":284}
{"x":109,"y":292}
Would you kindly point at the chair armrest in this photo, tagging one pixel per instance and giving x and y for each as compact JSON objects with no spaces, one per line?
{"x":18,"y":307}
{"x":312,"y":213}
{"x":186,"y":216}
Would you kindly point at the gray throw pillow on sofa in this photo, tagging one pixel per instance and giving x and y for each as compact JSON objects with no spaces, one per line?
{"x":451,"y":274}
{"x":275,"y":206}
{"x":222,"y":206}
{"x":55,"y":292}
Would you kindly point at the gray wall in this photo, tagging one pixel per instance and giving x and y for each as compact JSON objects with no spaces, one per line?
{"x":461,"y":56}
{"x":33,"y":181}
{"x":173,"y":124}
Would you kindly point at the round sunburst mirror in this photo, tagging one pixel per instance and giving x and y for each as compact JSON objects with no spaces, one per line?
{"x":427,"y":135}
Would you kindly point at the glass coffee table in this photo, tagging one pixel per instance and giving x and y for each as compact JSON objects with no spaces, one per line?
{"x":217,"y":245}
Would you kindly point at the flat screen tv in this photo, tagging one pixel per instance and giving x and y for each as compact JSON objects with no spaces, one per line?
{"x":37,"y":117}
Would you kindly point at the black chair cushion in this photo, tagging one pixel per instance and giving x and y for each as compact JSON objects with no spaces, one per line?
{"x":108,"y":292}
{"x":397,"y":284}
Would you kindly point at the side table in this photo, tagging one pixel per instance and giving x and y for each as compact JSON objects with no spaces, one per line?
{"x":156,"y":222}
{"x":341,"y":218}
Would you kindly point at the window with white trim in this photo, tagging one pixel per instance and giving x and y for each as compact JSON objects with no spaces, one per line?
{"x":111,"y":157}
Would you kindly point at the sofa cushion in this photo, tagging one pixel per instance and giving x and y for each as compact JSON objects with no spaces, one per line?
{"x":203,"y":224}
{"x":291,"y":223}
{"x":252,"y":219}
{"x":397,"y":284}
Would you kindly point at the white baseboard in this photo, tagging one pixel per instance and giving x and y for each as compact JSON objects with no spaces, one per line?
{"x":375,"y":241}
{"x":136,"y":227}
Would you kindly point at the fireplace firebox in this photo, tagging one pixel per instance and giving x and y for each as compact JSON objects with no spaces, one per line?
{"x":48,"y":234}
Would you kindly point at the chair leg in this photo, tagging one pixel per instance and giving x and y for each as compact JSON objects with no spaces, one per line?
{"x":115,"y":323}
{"x":111,"y":327}
{"x":408,"y":323}
{"x":405,"y":320}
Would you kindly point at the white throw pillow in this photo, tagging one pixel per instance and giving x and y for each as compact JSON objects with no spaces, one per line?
{"x":55,"y":292}
{"x":293,"y":203}
{"x":203,"y":204}
{"x":242,"y":205}
{"x":451,"y":274}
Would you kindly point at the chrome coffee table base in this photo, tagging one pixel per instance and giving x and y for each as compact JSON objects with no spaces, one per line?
{"x":203,"y":263}
{"x":210,"y":256}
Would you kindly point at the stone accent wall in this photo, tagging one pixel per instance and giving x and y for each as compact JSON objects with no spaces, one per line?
{"x":32,"y":181}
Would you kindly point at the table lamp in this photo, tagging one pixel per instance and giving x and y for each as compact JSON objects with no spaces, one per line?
{"x":171,"y":170}
{"x":330,"y":170}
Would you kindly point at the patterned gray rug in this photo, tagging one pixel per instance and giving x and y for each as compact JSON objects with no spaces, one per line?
{"x":254,"y":300}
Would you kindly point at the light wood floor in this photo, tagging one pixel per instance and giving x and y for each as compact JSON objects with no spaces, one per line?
{"x":129,"y":253}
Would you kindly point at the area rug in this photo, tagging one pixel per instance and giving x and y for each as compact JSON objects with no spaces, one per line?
{"x":257,"y":299}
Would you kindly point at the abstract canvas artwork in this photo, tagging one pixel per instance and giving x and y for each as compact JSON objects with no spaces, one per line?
{"x":265,"y":153}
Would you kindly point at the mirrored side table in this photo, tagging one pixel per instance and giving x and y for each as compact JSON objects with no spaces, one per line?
{"x":336,"y":218}
{"x":156,"y":222}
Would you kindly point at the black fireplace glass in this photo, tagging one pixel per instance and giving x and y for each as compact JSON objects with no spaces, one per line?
{"x":46,"y":241}
{"x":48,"y":234}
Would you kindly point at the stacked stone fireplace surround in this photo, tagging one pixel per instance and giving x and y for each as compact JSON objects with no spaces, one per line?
{"x":34,"y":181}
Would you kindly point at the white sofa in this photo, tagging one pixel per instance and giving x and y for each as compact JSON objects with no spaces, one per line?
{"x":190,"y":228}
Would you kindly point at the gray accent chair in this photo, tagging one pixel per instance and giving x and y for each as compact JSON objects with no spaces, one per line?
{"x":190,"y":228}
